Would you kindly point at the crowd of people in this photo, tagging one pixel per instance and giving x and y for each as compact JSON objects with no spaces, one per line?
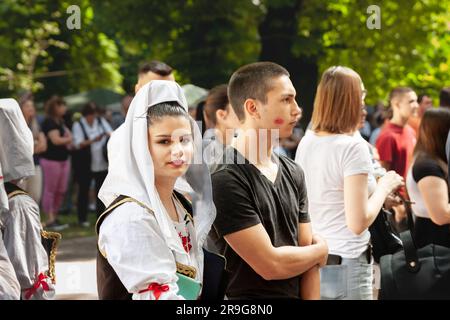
{"x":289,"y":210}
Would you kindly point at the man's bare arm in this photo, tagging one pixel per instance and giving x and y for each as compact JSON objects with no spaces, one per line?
{"x":254,"y":246}
{"x":310,"y":281}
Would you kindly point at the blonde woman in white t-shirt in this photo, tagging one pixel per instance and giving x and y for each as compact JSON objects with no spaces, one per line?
{"x":343,"y":203}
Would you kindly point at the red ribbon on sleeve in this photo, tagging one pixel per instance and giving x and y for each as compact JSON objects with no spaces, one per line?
{"x":40,"y":281}
{"x":156,"y":288}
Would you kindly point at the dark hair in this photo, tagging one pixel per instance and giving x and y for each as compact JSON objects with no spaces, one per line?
{"x":199,"y":116}
{"x":444,"y":97}
{"x":217,"y":99}
{"x":25,"y":97}
{"x":398,"y":92}
{"x":378,"y":118}
{"x":433,"y":131}
{"x":420,"y":97}
{"x":160,"y":110}
{"x":157,"y":67}
{"x":252,"y":81}
{"x":52,"y":104}
{"x":89,"y":108}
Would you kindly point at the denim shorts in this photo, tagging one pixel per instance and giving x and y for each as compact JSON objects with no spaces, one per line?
{"x":350,"y":280}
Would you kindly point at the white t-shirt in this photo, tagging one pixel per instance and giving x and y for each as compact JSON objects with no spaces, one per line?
{"x":326,"y":161}
{"x":418,"y":207}
{"x":98,"y":162}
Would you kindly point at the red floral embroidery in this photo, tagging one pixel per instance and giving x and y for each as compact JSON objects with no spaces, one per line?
{"x":186,"y":242}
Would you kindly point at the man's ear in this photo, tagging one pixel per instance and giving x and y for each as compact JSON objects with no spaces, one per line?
{"x":395,"y":102}
{"x":251,"y":108}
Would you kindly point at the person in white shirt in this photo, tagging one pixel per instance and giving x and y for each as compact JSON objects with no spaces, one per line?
{"x":149,"y":234}
{"x":336,"y":166}
{"x":89,"y":162}
{"x":20,"y":225}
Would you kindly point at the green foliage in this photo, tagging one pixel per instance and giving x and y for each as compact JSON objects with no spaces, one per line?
{"x":205,"y":41}
{"x":39,"y":53}
{"x":211,"y":44}
{"x":412,"y":48}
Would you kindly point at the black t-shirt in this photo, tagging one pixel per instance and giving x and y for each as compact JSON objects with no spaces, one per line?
{"x":244,"y":197}
{"x":56,"y":153}
{"x":425,"y":167}
{"x":425,"y":230}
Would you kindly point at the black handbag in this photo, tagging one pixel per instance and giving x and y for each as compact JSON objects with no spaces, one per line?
{"x":383,"y":237}
{"x":415,"y":273}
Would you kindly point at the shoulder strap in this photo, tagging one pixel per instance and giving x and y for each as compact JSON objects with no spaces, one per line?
{"x":101,"y":124}
{"x":412,"y":261}
{"x":119,"y":201}
{"x":12,"y":190}
{"x":185,"y":203}
{"x":116,"y":203}
{"x":408,"y":209}
{"x":86,"y":137}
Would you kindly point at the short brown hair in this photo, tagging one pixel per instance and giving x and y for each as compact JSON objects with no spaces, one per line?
{"x":52,"y":104}
{"x":398,"y":92}
{"x":252,"y":81}
{"x":217,"y":99}
{"x":433,"y":133}
{"x":338,"y":103}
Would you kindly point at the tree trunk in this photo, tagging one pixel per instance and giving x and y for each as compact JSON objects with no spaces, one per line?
{"x":278,"y":31}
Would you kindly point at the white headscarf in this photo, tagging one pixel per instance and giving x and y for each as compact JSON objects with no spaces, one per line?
{"x":131,"y":172}
{"x":17,"y":144}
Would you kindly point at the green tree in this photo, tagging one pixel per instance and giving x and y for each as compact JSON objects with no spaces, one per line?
{"x":205,"y":41}
{"x":39,"y":53}
{"x":412,"y":48}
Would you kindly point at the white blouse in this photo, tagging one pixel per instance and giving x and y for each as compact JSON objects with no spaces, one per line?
{"x":134,"y":246}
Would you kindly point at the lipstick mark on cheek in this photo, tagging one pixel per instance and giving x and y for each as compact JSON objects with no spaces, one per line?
{"x":278,"y":121}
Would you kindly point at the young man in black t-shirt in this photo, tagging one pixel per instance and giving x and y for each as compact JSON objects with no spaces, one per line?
{"x":261,"y":198}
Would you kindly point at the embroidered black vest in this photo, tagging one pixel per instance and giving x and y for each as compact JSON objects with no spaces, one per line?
{"x":109,"y":286}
